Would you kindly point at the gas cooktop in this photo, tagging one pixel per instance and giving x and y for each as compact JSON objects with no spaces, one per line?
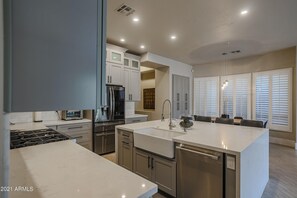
{"x":19,"y":139}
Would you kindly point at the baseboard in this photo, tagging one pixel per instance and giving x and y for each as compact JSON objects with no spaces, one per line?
{"x":284,"y":142}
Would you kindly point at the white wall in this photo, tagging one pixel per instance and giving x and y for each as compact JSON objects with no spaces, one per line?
{"x":28,"y":116}
{"x":175,"y":67}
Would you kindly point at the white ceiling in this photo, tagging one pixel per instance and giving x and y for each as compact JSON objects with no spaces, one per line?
{"x":204,"y":27}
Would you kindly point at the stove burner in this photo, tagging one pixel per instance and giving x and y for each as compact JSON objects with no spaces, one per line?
{"x":19,"y":139}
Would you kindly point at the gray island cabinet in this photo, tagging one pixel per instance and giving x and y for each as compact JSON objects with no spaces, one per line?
{"x":53,"y":54}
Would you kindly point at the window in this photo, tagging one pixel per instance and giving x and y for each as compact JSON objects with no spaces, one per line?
{"x":273,"y":98}
{"x":236,"y":97}
{"x":206,"y":96}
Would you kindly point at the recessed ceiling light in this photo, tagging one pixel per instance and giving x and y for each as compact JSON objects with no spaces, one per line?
{"x":173,"y":37}
{"x":135,"y":19}
{"x":244,"y":12}
{"x":122,"y":40}
{"x":142,"y":46}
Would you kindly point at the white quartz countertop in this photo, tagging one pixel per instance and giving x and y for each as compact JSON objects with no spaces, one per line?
{"x":220,"y":137}
{"x":67,"y":170}
{"x":136,"y":116}
{"x":26,"y":126}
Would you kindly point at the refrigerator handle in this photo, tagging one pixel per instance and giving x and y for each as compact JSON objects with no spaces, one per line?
{"x":110,"y":103}
{"x":113,"y":103}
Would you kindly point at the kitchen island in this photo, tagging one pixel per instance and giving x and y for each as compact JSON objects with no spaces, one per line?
{"x":65,"y":169}
{"x":248,"y":145}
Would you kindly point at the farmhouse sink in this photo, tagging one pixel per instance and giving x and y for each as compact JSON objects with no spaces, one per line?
{"x":155,"y":140}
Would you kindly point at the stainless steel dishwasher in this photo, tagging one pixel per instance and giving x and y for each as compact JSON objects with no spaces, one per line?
{"x":200,"y":172}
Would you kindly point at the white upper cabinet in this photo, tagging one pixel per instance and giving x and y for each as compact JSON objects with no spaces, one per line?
{"x":132,"y":84}
{"x":114,"y":56}
{"x":114,"y":74}
{"x":135,"y":64}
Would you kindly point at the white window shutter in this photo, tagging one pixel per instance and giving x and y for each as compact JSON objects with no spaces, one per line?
{"x":236,"y":97}
{"x":206,"y":96}
{"x":273,"y":98}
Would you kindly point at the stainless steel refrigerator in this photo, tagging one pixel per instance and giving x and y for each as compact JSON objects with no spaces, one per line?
{"x":107,"y":117}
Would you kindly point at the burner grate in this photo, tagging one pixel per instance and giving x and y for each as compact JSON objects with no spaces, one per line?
{"x":19,"y":139}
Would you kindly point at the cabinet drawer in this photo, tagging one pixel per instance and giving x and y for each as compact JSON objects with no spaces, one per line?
{"x":75,"y":127}
{"x":134,"y":120}
{"x":81,"y":137}
{"x":126,"y":136}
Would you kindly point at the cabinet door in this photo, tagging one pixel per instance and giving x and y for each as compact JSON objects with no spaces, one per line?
{"x":126,"y":62}
{"x":135,"y":64}
{"x":107,"y":79}
{"x":116,"y":74}
{"x":164,"y":174}
{"x":186,"y":92}
{"x":127,"y":155}
{"x":54,"y":55}
{"x":142,"y":163}
{"x":116,"y":57}
{"x":134,"y":85}
{"x":126,"y":84}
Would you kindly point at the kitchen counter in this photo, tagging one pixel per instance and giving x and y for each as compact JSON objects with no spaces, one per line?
{"x":65,"y":169}
{"x":249,"y":146}
{"x":26,"y":126}
{"x":220,"y":137}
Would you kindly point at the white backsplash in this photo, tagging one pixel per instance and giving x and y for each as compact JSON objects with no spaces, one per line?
{"x":28,"y":116}
{"x":129,"y":108}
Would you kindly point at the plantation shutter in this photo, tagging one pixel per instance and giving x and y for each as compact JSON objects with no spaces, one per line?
{"x":206,"y":96}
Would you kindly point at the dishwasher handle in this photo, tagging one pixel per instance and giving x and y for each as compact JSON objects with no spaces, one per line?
{"x":214,"y":157}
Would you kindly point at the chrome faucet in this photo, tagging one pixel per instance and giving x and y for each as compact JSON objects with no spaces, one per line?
{"x":170,"y":115}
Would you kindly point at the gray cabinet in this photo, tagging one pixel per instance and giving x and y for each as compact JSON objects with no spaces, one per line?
{"x":180,"y":96}
{"x":81,"y":132}
{"x":157,"y":169}
{"x":53,"y":54}
{"x":125,"y":149}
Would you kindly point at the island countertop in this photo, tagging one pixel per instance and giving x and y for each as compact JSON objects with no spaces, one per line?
{"x":65,"y":169}
{"x":220,"y":137}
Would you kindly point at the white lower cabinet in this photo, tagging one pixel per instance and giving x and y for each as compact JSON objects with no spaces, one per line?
{"x":132,"y":84}
{"x":157,"y":169}
{"x":81,"y":132}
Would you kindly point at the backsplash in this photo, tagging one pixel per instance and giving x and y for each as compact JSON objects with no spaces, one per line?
{"x":28,"y":116}
{"x":129,"y":108}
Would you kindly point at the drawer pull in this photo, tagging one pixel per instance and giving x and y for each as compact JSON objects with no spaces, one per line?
{"x":75,"y":127}
{"x":126,"y":143}
{"x":78,"y":137}
{"x":125,"y":135}
{"x":136,"y":120}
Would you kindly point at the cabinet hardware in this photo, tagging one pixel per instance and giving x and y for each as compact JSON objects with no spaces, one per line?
{"x":136,"y":120}
{"x":131,"y":97}
{"x":78,"y":137}
{"x":75,"y":127}
{"x":148,"y":161}
{"x":125,"y":135}
{"x":110,"y":79}
{"x":152,"y":163}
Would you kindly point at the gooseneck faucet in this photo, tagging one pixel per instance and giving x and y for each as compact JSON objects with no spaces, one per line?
{"x":170,"y":116}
